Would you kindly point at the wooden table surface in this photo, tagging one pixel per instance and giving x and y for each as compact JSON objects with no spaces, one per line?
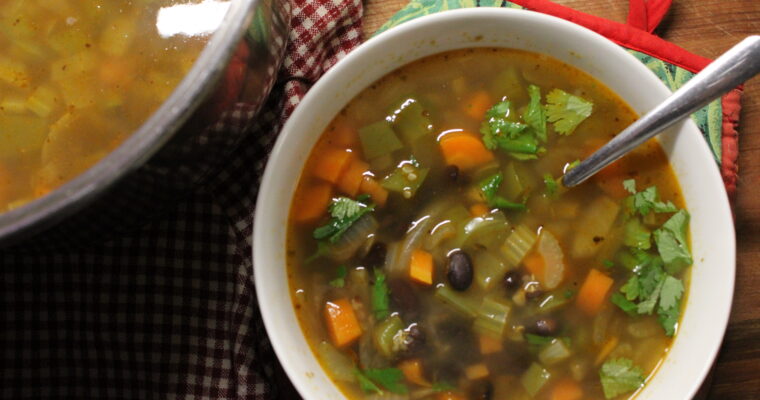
{"x":707,"y":28}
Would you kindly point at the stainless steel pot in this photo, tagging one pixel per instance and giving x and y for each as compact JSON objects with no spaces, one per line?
{"x":176,"y":148}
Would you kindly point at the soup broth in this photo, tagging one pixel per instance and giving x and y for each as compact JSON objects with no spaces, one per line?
{"x":434,"y":253}
{"x":76,"y":78}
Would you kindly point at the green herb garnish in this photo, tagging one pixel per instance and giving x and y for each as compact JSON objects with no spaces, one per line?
{"x":626,"y":305}
{"x":566,"y":111}
{"x":551,"y":185}
{"x":535,"y":115}
{"x":620,"y":376}
{"x":537,"y":340}
{"x":389,"y":378}
{"x":502,"y":130}
{"x":343,"y":213}
{"x":651,"y":290}
{"x":490,"y":186}
{"x":647,"y":200}
{"x":380,"y":296}
{"x":366,"y":384}
{"x":340,"y":281}
{"x":442,"y":386}
{"x":672,"y":243}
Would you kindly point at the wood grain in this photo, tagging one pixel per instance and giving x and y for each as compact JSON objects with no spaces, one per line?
{"x":707,"y":28}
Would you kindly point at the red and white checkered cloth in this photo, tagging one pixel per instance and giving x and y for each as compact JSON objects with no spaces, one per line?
{"x":168,"y":311}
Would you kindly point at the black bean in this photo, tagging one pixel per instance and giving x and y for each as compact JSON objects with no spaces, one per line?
{"x":482,"y":390}
{"x":452,"y":173}
{"x":533,"y":294}
{"x":533,"y":291}
{"x":460,"y":270}
{"x":512,"y":280}
{"x":414,"y":340}
{"x":543,"y":327}
{"x":376,"y":255}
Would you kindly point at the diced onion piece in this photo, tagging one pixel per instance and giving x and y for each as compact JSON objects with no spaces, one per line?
{"x":554,"y":263}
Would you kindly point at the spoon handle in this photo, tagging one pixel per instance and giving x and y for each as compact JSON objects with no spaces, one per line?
{"x":735,"y":66}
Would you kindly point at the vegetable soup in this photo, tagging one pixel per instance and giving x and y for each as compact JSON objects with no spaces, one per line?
{"x":77,"y":77}
{"x":435,"y":254}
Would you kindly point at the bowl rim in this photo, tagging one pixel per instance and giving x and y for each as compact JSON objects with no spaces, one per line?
{"x":280,"y":151}
{"x":141,"y":144}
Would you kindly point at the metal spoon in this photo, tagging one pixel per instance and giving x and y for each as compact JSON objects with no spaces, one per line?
{"x":735,"y":66}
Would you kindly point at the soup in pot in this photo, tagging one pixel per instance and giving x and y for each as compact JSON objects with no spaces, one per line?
{"x":77,"y":77}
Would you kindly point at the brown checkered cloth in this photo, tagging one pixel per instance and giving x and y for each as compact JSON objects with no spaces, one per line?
{"x":168,"y":311}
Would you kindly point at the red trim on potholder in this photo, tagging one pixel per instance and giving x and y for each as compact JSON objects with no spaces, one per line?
{"x":647,"y":14}
{"x":637,"y":38}
{"x":729,"y":167}
{"x":622,"y":34}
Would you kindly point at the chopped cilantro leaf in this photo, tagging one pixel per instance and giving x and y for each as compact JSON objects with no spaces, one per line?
{"x":501,"y":130}
{"x":620,"y":376}
{"x":670,"y":295}
{"x":490,"y":186}
{"x":366,"y":384}
{"x":630,"y":185}
{"x":380,"y":296}
{"x":669,"y":318}
{"x":647,"y":305}
{"x":647,"y":200}
{"x":650,"y":275}
{"x":537,"y":340}
{"x":636,"y":235}
{"x":497,"y":126}
{"x":535,"y":115}
{"x":566,"y":111}
{"x":626,"y":305}
{"x":389,"y":378}
{"x":504,"y":204}
{"x":608,"y":263}
{"x":340,"y":281}
{"x":551,"y":185}
{"x":442,"y":386}
{"x":650,"y":289}
{"x":672,"y":243}
{"x":343,"y":212}
{"x":631,"y":288}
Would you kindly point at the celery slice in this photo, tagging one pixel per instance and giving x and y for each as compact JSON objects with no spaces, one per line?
{"x":492,"y":317}
{"x":553,"y":353}
{"x":378,"y":139}
{"x":488,"y":269}
{"x":512,"y":186}
{"x":518,"y":244}
{"x":42,"y":101}
{"x":457,"y":301}
{"x":410,"y":121}
{"x":341,"y":367}
{"x":384,"y":333}
{"x":405,"y":179}
{"x":13,"y":105}
{"x":535,"y":378}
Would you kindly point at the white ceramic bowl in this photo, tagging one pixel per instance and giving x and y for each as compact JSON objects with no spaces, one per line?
{"x":712,"y":231}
